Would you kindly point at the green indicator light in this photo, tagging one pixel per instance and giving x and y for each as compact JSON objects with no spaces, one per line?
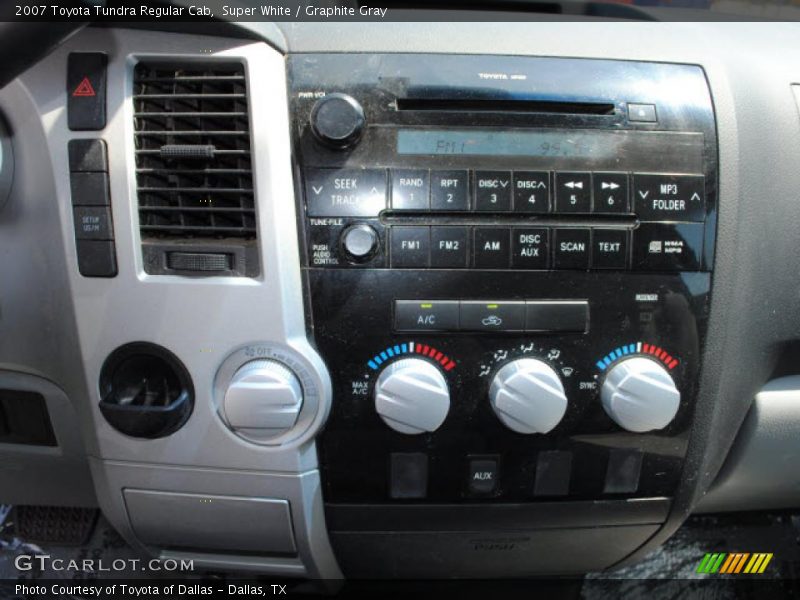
{"x":492,"y":306}
{"x":426,"y":305}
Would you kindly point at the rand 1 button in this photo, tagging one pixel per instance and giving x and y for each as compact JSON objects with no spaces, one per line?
{"x":610,"y":192}
{"x":566,"y":316}
{"x":410,"y":247}
{"x":532,"y":191}
{"x":490,"y":315}
{"x":669,"y":197}
{"x":449,"y":247}
{"x":572,"y":248}
{"x":345,"y":192}
{"x":449,"y":190}
{"x":573,"y":192}
{"x":491,"y":247}
{"x":410,"y":189}
{"x":426,"y":315}
{"x":529,"y":248}
{"x":609,"y":249}
{"x":668,"y":247}
{"x":492,"y":191}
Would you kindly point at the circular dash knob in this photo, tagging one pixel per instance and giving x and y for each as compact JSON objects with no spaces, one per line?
{"x":264,"y":398}
{"x":359,"y":241}
{"x":337,"y":120}
{"x":412,"y":396}
{"x":528,"y":396}
{"x":640,"y":395}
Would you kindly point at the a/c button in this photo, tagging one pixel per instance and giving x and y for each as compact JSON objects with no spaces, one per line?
{"x":426,"y":315}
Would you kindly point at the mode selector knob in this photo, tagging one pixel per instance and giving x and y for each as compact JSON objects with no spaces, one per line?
{"x":528,"y":396}
{"x":412,"y":396}
{"x":640,"y":395}
{"x":264,"y":399}
{"x":337,"y":120}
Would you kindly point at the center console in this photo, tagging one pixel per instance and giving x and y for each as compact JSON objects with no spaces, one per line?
{"x":508,"y":267}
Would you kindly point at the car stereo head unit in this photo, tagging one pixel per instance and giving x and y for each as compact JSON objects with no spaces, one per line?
{"x":508,"y":263}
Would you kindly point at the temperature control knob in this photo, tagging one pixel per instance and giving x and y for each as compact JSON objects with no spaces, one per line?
{"x":264,"y":398}
{"x":528,"y":396}
{"x":337,"y":120}
{"x":412,"y":396}
{"x":640,"y":395}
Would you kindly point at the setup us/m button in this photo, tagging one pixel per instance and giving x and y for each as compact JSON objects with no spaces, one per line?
{"x":426,"y":315}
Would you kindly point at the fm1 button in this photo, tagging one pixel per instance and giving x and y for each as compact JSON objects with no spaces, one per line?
{"x":359,"y":242}
{"x":482,"y":476}
{"x":426,"y":315}
{"x":410,"y":247}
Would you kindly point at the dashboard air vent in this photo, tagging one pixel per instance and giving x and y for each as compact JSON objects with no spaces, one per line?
{"x":194,"y":165}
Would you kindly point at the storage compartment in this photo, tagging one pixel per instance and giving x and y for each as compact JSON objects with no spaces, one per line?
{"x":24,"y":419}
{"x":208,"y":523}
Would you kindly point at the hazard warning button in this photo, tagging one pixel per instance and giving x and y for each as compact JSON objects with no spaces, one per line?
{"x":86,"y":91}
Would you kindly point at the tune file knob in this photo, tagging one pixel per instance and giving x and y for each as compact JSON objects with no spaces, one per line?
{"x":412,"y":396}
{"x":337,"y":120}
{"x":528,"y":396}
{"x":640,"y":395}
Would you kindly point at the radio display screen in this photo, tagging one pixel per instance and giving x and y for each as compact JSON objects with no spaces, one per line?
{"x":484,"y":142}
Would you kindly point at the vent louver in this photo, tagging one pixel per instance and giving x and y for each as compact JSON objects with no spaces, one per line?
{"x":193,"y":162}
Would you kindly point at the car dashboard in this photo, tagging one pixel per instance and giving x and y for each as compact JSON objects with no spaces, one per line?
{"x":403,"y":300}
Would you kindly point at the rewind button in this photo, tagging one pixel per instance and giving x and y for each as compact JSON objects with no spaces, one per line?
{"x":573,"y":192}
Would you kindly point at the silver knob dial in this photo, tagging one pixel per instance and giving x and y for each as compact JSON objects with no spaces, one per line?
{"x":412,"y":396}
{"x":264,"y":399}
{"x":640,"y":395}
{"x":528,"y":396}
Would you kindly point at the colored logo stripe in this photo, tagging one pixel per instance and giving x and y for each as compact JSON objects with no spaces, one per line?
{"x":734,"y":563}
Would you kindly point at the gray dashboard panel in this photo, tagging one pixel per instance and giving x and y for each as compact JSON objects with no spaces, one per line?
{"x":761,"y":471}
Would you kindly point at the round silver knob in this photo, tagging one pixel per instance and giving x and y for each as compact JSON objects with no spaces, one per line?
{"x":359,"y":241}
{"x":264,"y":398}
{"x":528,"y":396}
{"x":640,"y":395}
{"x":412,"y":396}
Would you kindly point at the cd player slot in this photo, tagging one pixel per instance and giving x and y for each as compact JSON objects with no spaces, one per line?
{"x":448,"y":218}
{"x":505,"y":105}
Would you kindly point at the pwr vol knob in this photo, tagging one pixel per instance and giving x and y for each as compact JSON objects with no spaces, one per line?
{"x":412,"y":396}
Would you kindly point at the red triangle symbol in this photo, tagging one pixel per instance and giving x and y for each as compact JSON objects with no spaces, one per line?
{"x":84,"y":89}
